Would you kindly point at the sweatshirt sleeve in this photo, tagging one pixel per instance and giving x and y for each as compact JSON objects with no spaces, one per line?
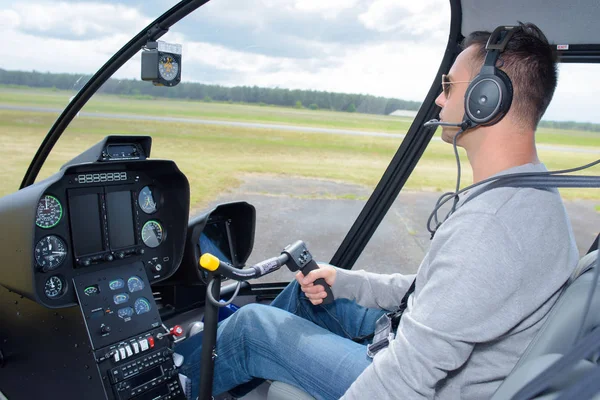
{"x":466,"y":296}
{"x":371,"y":290}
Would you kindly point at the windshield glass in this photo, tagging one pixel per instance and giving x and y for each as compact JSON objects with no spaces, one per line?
{"x":295,"y":106}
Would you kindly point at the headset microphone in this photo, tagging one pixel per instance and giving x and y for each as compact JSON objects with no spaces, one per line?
{"x":436,"y":122}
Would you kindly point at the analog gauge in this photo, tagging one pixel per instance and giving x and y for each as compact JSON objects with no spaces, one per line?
{"x":168,"y":67}
{"x":54,"y":287}
{"x":152,"y":233}
{"x":49,"y":212}
{"x":50,"y":252}
{"x":142,"y":305}
{"x":135,"y":284}
{"x":116,"y":284}
{"x":146,"y":201}
{"x":120,"y":298}
{"x":126,"y":312}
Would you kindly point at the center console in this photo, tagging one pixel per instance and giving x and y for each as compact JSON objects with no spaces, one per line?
{"x":118,"y":309}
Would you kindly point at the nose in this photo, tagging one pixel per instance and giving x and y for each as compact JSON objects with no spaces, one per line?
{"x":440,"y":100}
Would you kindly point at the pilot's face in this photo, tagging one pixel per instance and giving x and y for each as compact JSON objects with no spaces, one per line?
{"x":452,"y":98}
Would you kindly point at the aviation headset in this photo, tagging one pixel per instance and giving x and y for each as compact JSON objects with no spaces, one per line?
{"x":489,"y":95}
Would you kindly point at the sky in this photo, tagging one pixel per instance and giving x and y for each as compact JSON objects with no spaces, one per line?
{"x":389,"y":48}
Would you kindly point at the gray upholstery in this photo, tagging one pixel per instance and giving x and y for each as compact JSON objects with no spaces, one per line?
{"x":550,"y":15}
{"x":558,"y":335}
{"x":283,"y":391}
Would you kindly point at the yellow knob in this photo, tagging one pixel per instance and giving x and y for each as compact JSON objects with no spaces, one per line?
{"x":209,"y":262}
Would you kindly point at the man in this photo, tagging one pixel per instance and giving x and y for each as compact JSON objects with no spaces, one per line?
{"x":495,"y":268}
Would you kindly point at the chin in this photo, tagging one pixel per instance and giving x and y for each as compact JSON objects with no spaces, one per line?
{"x":448,"y":133}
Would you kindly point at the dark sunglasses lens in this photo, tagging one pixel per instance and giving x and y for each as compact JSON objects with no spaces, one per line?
{"x":445,"y":85}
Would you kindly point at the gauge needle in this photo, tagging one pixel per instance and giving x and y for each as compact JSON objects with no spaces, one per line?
{"x":59,"y":252}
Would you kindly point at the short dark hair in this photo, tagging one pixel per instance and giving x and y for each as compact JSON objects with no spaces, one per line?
{"x":530,"y":63}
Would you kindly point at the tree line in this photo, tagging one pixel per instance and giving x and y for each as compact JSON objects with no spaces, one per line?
{"x":197,"y":91}
{"x":582,"y":126}
{"x":312,"y":99}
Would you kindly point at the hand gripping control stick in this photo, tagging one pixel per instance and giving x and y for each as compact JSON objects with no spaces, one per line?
{"x":295,"y":256}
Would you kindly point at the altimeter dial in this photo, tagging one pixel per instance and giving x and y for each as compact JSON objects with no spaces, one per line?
{"x":50,"y":252}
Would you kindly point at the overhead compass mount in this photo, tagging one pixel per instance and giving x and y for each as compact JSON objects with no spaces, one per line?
{"x":161,"y":63}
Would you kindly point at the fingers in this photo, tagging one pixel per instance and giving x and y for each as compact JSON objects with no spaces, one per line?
{"x":315,"y":294}
{"x":326,"y":272}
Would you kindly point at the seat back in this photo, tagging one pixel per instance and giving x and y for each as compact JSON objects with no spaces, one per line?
{"x":559,"y":332}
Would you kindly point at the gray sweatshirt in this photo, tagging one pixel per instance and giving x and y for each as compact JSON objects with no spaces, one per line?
{"x":494,"y":270}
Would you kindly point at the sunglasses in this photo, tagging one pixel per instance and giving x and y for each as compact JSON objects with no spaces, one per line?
{"x":447,"y":84}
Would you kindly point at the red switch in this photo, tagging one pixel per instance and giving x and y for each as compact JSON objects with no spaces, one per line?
{"x":151,"y":341}
{"x":176,"y":331}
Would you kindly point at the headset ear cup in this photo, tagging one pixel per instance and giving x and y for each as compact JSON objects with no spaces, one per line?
{"x":508,"y":93}
{"x":488,"y":98}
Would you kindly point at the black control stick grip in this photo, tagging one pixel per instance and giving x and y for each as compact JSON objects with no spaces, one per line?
{"x":311,"y":266}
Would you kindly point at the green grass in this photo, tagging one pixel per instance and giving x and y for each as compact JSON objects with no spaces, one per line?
{"x":214,"y":158}
{"x":203,"y":110}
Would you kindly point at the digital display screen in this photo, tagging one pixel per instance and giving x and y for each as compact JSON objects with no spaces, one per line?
{"x":120,"y":219}
{"x":214,"y":239}
{"x":86,"y":225}
{"x":145,"y":377}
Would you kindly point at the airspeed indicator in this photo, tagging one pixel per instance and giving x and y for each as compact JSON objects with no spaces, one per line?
{"x":49,"y":212}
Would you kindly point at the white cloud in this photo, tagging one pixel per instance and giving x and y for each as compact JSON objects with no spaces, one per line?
{"x":400,"y":64}
{"x":328,"y":9}
{"x":576,"y":96}
{"x":424,"y":17}
{"x":10,"y":18}
{"x":77,"y":19}
{"x":383,"y":69}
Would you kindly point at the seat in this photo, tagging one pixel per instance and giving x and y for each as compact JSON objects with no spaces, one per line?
{"x":558,"y":334}
{"x":555,"y":338}
{"x":283,"y":391}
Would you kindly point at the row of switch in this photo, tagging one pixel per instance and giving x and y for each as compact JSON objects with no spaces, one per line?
{"x":128,"y":350}
{"x":173,"y":386}
{"x":175,"y":392}
{"x":141,"y":365}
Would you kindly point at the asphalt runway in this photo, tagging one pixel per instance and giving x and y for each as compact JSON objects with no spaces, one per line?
{"x":294,"y":128}
{"x":288,"y":209}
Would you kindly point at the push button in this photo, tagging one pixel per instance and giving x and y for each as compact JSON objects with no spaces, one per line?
{"x":144,"y":344}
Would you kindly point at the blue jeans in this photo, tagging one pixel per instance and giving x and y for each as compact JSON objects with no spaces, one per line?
{"x":290,"y":341}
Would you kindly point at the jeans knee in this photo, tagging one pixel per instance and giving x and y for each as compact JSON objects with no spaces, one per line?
{"x":251,"y":313}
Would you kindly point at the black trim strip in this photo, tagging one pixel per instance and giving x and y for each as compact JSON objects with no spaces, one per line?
{"x":404,"y":161}
{"x":152,"y":32}
{"x":579,"y":53}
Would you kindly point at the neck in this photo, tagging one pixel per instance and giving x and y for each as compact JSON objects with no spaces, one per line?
{"x":494,"y":149}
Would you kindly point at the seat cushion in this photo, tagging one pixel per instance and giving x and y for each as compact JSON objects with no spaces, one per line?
{"x":284,"y":391}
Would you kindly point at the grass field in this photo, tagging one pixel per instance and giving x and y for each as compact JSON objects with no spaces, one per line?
{"x":215,"y":157}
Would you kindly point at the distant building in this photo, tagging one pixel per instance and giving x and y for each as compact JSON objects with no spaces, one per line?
{"x":404,"y":113}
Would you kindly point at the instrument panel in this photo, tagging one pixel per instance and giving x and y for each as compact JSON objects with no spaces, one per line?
{"x":96,"y":217}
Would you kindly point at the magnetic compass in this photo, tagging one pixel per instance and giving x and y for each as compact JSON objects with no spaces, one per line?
{"x":161,"y":63}
{"x":168,"y":67}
